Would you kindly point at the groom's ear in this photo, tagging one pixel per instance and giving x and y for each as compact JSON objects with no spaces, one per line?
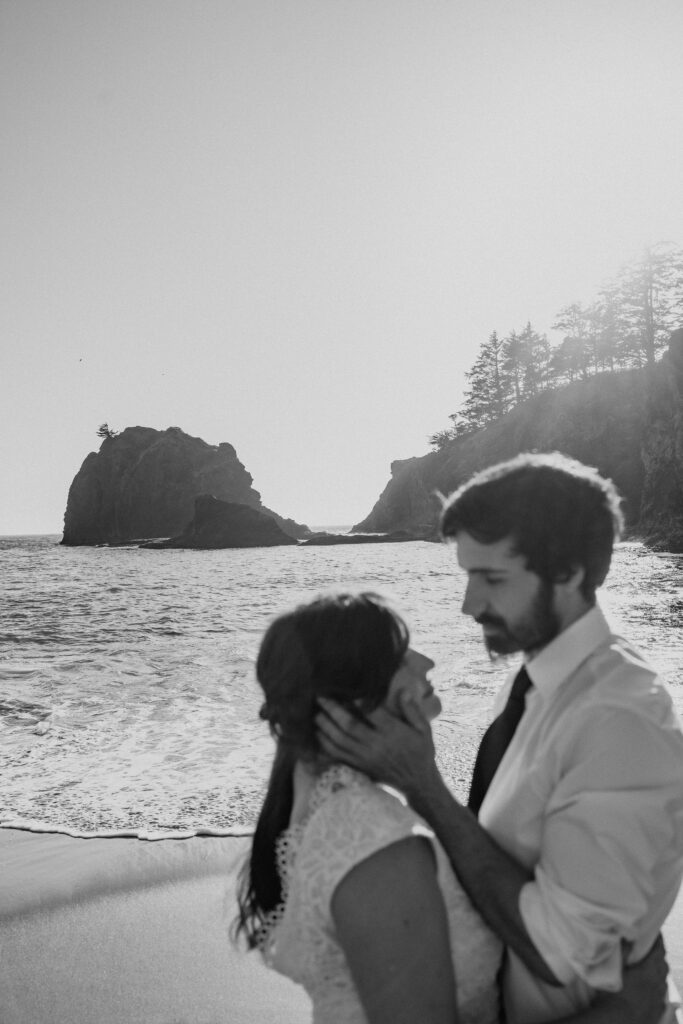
{"x":572,"y":580}
{"x":569,"y":600}
{"x":575,"y":580}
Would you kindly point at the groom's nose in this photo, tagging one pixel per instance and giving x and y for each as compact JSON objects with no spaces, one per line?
{"x":474,"y":600}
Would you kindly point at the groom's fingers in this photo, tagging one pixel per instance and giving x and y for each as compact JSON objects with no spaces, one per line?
{"x":339,"y":746}
{"x":338,"y":718}
{"x":335,"y":750}
{"x":358,"y":742}
{"x":337,"y":731}
{"x":335,"y":720}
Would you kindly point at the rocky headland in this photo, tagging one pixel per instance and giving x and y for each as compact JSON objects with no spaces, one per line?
{"x":144,"y":483}
{"x":226,"y":524}
{"x":628,"y":424}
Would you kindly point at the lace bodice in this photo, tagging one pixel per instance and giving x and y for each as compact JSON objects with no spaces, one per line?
{"x":348,"y":819}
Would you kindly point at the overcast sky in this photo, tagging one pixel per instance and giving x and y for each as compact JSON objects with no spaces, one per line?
{"x":289,"y":225}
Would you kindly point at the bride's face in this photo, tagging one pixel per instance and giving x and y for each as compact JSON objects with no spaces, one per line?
{"x":411,"y":680}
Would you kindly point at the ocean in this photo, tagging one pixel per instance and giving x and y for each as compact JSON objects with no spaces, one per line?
{"x":127,"y":693}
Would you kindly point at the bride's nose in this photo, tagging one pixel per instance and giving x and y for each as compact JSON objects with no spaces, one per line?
{"x":426,"y":663}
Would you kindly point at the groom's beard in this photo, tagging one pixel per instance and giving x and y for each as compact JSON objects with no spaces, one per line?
{"x":534,"y":630}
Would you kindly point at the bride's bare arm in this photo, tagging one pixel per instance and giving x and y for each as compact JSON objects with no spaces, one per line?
{"x":391,"y":923}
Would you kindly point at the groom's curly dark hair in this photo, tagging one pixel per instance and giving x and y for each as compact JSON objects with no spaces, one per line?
{"x":559,"y":514}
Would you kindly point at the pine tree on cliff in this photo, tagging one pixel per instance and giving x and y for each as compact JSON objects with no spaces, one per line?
{"x":572,"y":358}
{"x":650,"y":291}
{"x":104,"y":430}
{"x":488,"y":396}
{"x":513,"y":365}
{"x":628,"y":324}
{"x":525,"y":363}
{"x":535,"y":355}
{"x":605,"y":329}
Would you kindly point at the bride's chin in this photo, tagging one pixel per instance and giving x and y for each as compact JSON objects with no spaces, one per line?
{"x":432,"y":707}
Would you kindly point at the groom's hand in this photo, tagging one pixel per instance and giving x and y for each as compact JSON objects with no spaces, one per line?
{"x":643,"y":996}
{"x":388,"y":748}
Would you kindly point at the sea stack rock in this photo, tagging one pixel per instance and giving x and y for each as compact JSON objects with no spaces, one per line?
{"x":226,"y":524}
{"x":143,"y":484}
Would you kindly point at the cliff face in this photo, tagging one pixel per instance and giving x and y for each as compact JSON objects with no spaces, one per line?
{"x":143,"y":483}
{"x":629,"y":425}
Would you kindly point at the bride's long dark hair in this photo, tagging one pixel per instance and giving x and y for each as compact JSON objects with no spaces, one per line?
{"x":343,"y":646}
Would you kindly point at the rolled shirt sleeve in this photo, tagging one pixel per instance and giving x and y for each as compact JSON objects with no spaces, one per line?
{"x":611,"y":837}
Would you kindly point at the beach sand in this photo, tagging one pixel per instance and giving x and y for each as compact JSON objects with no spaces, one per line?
{"x":125,"y":931}
{"x":128,"y":931}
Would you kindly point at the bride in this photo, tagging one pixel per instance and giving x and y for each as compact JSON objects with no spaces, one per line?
{"x":346,"y":890}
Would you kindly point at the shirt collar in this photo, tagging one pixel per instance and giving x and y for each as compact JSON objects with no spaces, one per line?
{"x":564,"y":654}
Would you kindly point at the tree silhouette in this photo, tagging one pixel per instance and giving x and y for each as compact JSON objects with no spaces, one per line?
{"x":104,"y":430}
{"x":650,"y":296}
{"x":486,"y":399}
{"x":534,"y":351}
{"x":628,"y":324}
{"x":578,"y":345}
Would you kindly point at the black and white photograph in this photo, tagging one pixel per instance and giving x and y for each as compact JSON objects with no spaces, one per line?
{"x":341,"y":531}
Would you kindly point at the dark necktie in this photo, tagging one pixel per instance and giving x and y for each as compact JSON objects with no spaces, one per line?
{"x":496,"y":739}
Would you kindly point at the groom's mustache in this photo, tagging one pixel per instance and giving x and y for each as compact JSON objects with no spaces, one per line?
{"x":490,"y":620}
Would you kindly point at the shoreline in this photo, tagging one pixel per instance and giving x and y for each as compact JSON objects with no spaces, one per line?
{"x":145,"y":835}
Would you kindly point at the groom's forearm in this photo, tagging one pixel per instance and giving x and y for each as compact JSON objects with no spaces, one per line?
{"x":491,"y":877}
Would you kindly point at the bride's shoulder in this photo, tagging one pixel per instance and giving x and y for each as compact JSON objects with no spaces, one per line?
{"x":350,"y":818}
{"x":347,"y":803}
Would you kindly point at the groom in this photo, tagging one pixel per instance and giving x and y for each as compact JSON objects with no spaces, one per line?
{"x":573,"y":838}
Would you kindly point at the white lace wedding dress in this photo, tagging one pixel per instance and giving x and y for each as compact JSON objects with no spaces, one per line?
{"x":348,"y":819}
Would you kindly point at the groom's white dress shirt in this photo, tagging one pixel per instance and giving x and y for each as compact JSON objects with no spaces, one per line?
{"x":589,"y":795}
